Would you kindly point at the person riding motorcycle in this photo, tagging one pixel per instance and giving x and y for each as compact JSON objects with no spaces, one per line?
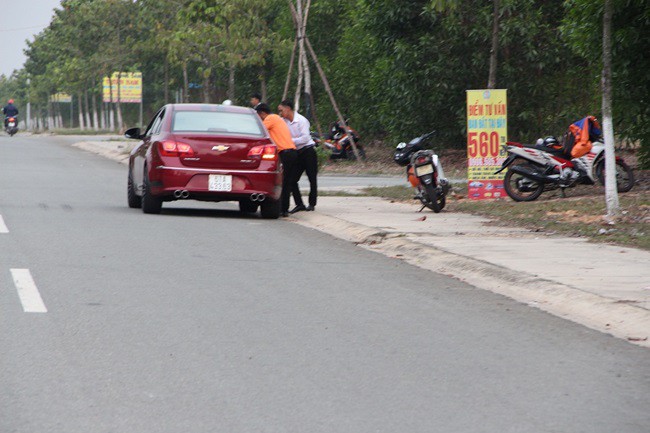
{"x":9,"y":110}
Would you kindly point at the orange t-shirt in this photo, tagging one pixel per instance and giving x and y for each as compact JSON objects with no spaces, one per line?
{"x":279,"y":132}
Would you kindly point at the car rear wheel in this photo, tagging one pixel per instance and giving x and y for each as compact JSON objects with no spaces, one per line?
{"x":247,"y":206}
{"x":150,"y":204}
{"x":270,"y":209}
{"x":135,"y":201}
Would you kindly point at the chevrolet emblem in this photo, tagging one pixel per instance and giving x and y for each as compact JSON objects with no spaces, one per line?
{"x":220,"y":148}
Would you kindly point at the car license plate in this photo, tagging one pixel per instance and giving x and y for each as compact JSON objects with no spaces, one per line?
{"x":423,"y":169}
{"x":220,"y":182}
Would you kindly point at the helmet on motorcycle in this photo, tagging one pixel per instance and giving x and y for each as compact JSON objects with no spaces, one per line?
{"x":11,"y":101}
{"x":551,"y":142}
{"x":402,"y":155}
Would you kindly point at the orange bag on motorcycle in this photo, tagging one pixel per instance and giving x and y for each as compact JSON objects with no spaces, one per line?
{"x":578,"y":139}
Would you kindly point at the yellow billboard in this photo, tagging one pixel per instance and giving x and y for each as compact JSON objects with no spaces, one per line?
{"x":487,"y":130}
{"x":130,"y":87}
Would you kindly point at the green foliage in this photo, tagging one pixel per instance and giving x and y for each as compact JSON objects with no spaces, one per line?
{"x":397,"y":67}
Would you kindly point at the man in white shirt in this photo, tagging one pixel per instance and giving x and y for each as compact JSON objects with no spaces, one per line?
{"x":307,"y":160}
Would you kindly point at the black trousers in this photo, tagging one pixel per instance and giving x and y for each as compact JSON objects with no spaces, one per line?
{"x":288,"y":159}
{"x":307,"y":162}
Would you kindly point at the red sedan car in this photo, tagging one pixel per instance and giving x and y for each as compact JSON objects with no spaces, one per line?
{"x":205,"y":152}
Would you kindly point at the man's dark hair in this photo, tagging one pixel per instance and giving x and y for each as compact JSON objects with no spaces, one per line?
{"x":287,"y":103}
{"x":257,"y":96}
{"x":263,"y":108}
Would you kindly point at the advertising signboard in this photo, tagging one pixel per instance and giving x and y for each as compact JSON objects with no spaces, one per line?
{"x":487,"y":130}
{"x":63,"y":98}
{"x":130,"y":85}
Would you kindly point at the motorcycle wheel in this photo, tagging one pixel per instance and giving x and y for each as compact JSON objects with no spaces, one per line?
{"x":624,"y":175}
{"x":434,"y":199}
{"x":521,"y":188}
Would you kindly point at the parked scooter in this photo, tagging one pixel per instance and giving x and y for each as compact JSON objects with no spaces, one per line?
{"x":11,"y":125}
{"x":424,"y":172}
{"x":533,"y":169}
{"x":338,"y":142}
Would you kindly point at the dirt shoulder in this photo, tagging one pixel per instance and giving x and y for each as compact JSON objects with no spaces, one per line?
{"x":580,"y":214}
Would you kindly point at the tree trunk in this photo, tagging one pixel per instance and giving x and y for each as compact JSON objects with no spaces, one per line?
{"x":263,"y":89}
{"x":118,"y":107}
{"x":166,"y":83}
{"x":87,"y":113}
{"x":611,"y":191}
{"x":492,"y":77}
{"x":231,"y":82}
{"x":206,"y":88}
{"x":186,"y":85}
{"x":95,"y":114}
{"x":81,"y":112}
{"x":289,"y":72}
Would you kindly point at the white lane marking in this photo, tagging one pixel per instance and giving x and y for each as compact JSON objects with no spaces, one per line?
{"x":3,"y":226}
{"x":27,"y":291}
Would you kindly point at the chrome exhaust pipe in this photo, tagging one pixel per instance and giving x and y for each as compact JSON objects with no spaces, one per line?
{"x":254,"y":196}
{"x":185,"y":194}
{"x":177,"y":193}
{"x":261,"y":197}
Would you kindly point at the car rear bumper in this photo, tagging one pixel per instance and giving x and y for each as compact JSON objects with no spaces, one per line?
{"x":167,"y":180}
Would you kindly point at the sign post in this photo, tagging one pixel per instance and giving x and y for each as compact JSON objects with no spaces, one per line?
{"x":487,"y":131}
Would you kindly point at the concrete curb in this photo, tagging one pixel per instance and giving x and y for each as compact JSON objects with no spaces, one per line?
{"x":596,"y":312}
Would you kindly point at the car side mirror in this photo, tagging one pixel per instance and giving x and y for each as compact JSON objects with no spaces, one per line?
{"x":133,"y":133}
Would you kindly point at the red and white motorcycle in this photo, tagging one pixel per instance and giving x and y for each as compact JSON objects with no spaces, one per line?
{"x":533,"y":169}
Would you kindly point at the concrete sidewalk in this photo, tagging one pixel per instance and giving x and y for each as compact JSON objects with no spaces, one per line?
{"x":604,"y":287}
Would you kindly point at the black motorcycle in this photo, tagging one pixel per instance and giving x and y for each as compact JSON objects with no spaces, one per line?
{"x":11,"y":125}
{"x":424,"y":172}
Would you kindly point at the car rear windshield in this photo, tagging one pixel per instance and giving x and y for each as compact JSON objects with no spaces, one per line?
{"x":217,"y":122}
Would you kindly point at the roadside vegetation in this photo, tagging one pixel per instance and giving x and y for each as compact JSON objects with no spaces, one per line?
{"x":397,"y":68}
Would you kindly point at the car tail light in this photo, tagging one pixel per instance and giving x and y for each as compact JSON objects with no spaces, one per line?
{"x":172,"y":148}
{"x":266,"y":151}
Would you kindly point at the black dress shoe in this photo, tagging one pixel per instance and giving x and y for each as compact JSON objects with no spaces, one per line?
{"x":309,"y":208}
{"x":284,"y":214}
{"x":298,"y":208}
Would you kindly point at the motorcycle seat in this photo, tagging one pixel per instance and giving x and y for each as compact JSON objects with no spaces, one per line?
{"x":555,"y":152}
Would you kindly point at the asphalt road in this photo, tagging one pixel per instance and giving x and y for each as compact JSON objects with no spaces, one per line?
{"x":204,"y":320}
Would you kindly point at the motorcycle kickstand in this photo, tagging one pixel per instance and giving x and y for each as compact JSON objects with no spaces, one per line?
{"x":562,"y":193}
{"x":423,"y":206}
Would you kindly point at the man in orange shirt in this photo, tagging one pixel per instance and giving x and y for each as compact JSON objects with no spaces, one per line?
{"x":281,"y":136}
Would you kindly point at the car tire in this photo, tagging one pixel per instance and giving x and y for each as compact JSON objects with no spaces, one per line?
{"x":270,"y":209}
{"x":247,"y":206}
{"x":135,"y":201}
{"x":150,"y":204}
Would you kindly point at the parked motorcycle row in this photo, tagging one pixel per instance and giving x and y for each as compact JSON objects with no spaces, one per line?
{"x":531,"y":168}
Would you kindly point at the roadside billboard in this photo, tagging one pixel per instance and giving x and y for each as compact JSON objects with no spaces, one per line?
{"x":487,"y":130}
{"x":130,"y":85}
{"x":62,"y":98}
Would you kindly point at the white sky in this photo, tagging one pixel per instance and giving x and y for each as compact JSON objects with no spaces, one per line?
{"x":20,"y":21}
